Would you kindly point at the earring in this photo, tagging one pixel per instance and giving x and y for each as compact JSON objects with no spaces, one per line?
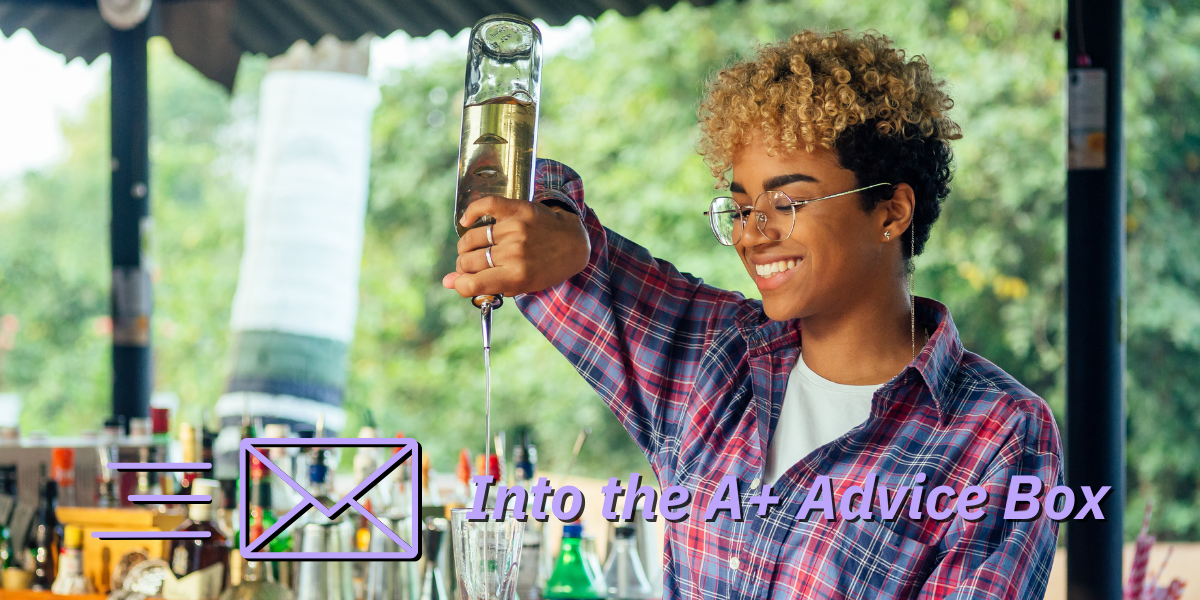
{"x":887,"y":234}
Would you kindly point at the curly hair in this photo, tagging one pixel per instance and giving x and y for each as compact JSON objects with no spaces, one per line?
{"x":884,"y":116}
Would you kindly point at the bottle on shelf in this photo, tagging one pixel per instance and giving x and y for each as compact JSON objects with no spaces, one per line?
{"x":623,"y":573}
{"x":572,"y":578}
{"x":8,"y":486}
{"x":62,"y":471}
{"x":189,"y":447}
{"x":208,"y":556}
{"x":46,"y":536}
{"x":70,"y":579}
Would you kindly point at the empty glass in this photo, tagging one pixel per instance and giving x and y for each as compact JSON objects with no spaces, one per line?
{"x":487,"y":555}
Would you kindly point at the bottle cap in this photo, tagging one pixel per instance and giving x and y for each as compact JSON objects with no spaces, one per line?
{"x":573,"y":530}
{"x":62,"y":465}
{"x":73,"y":536}
{"x":494,"y":467}
{"x":317,"y":472}
{"x":626,"y":532}
{"x":160,"y":420}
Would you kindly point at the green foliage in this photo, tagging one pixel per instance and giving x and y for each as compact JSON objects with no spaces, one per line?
{"x":620,"y":108}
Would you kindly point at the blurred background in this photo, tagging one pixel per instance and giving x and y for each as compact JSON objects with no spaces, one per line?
{"x":618,"y":105}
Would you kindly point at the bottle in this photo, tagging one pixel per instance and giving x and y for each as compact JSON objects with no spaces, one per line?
{"x":8,"y":486}
{"x":70,"y":579}
{"x":500,"y":108}
{"x":189,"y":452}
{"x":623,"y":574}
{"x":62,"y":471}
{"x":46,"y":536}
{"x":572,"y":578}
{"x":534,"y":571}
{"x":190,"y":556}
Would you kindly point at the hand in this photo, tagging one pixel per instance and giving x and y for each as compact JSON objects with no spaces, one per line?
{"x":536,"y":247}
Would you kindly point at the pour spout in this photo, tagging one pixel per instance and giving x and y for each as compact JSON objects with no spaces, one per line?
{"x":487,"y":303}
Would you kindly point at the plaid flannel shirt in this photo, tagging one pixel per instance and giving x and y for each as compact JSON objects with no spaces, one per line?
{"x":697,"y":376}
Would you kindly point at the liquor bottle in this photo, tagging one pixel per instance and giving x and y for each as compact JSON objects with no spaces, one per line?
{"x":623,"y":574}
{"x":572,"y":578}
{"x":190,"y":452}
{"x":535,"y":568}
{"x":227,"y":514}
{"x":70,"y":579}
{"x":8,"y":487}
{"x":46,"y":536}
{"x":62,"y":471}
{"x":190,"y":556}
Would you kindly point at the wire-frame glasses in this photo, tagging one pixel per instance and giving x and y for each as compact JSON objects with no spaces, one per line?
{"x":774,"y":214}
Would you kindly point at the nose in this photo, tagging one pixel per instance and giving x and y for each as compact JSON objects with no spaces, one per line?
{"x":752,"y":233}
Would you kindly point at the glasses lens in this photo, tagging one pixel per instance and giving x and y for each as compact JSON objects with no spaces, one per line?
{"x":725,"y":218}
{"x":775,"y":215}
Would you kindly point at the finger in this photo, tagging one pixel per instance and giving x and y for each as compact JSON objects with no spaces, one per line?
{"x":448,"y":280}
{"x":491,"y":281}
{"x":493,"y":206}
{"x":475,"y":261}
{"x":475,"y":239}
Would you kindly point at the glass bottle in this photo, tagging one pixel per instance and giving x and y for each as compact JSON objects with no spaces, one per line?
{"x":70,"y":579}
{"x":500,"y":108}
{"x":623,"y":574}
{"x":572,"y":579}
{"x":8,"y":487}
{"x":190,"y":556}
{"x":46,"y":536}
{"x":62,"y":471}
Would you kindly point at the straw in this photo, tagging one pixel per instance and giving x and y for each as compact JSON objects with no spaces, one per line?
{"x":1134,"y":587}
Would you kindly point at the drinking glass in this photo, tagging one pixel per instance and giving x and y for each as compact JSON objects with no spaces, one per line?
{"x":487,"y":555}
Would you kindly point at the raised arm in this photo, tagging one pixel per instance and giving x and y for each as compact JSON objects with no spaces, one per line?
{"x":633,"y":326}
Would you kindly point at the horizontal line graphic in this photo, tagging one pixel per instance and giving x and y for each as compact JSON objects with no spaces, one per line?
{"x":190,"y":466}
{"x":151,"y":535}
{"x":176,"y":499}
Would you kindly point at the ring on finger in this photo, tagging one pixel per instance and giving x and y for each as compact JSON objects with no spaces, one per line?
{"x":491,"y":240}
{"x":488,"y":254}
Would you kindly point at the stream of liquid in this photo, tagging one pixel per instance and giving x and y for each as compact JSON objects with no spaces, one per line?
{"x":487,"y":406}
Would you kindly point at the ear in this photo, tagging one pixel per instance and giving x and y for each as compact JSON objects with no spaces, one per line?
{"x":896,"y":214}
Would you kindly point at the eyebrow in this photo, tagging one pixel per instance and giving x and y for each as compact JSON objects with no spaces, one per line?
{"x":776,"y":182}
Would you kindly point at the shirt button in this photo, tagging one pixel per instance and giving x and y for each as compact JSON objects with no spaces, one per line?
{"x":754,"y":484}
{"x":734,"y":563}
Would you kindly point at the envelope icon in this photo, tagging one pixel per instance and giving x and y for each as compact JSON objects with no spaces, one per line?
{"x":409,"y":449}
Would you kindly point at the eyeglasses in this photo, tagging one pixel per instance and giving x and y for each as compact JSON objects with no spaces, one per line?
{"x":774,"y":214}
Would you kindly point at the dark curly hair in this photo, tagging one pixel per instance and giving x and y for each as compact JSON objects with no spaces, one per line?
{"x":882,"y":114}
{"x":925,"y":165}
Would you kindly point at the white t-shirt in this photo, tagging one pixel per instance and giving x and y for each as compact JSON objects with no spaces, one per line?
{"x":815,"y":411}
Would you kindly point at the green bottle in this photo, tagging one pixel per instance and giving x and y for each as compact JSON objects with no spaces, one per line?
{"x":572,"y":579}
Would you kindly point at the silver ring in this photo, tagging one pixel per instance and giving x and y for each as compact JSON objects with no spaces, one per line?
{"x":491,"y":240}
{"x":488,"y":253}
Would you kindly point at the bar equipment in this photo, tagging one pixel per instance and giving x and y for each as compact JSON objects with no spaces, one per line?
{"x":623,"y":574}
{"x":487,"y":555}
{"x":433,"y":580}
{"x":387,"y":580}
{"x":499,"y":135}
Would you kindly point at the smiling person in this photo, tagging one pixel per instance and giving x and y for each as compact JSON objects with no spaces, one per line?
{"x":836,"y":152}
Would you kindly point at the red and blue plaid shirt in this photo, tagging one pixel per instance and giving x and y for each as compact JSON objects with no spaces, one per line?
{"x":697,"y":376}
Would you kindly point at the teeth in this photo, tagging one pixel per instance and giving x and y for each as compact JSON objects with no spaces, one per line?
{"x":768,"y":270}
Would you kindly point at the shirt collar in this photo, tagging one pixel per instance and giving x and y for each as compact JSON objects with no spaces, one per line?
{"x":936,"y":365}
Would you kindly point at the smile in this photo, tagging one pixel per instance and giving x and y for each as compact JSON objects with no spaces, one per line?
{"x":771,"y":269}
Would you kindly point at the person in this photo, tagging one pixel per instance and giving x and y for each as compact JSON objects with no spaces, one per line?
{"x":838,"y":147}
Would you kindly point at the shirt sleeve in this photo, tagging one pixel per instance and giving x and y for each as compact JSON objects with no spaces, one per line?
{"x":998,"y":558}
{"x":632,"y":325}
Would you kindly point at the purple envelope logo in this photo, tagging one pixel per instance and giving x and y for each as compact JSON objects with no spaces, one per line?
{"x":408,"y":449}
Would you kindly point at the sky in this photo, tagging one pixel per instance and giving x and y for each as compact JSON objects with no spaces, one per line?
{"x":39,"y":88}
